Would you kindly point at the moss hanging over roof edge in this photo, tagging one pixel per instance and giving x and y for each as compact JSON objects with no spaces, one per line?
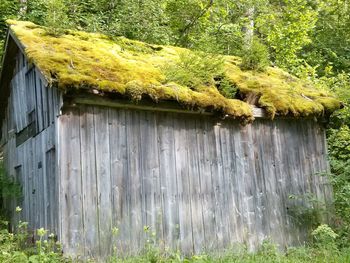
{"x":80,"y":60}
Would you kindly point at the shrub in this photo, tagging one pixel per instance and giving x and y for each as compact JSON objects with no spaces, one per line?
{"x":255,"y":57}
{"x":195,"y":69}
{"x":339,"y":150}
{"x":324,"y":237}
{"x":306,"y":210}
{"x":56,"y":18}
{"x":9,"y":189}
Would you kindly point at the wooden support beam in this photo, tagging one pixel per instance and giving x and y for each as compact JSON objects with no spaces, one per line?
{"x":149,"y":106}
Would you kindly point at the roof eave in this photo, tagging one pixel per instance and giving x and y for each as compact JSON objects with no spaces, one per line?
{"x":8,"y":61}
{"x":4,"y":54}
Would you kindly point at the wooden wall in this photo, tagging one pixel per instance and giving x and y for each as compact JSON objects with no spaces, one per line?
{"x":195,"y":182}
{"x":198,"y":183}
{"x":29,"y":144}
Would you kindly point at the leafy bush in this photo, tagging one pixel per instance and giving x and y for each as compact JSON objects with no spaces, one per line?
{"x":255,"y":57}
{"x":195,"y":69}
{"x":324,"y":237}
{"x":226,"y":87}
{"x":339,"y":150}
{"x":56,"y":18}
{"x":9,"y":189}
{"x":307,"y":210}
{"x":17,"y":248}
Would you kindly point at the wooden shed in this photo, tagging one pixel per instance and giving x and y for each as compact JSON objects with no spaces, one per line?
{"x":101,"y":136}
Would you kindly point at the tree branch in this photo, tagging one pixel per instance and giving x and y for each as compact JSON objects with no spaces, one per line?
{"x":187,"y":28}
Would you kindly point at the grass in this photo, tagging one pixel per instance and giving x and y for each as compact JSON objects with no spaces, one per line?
{"x":16,"y":248}
{"x":267,"y":254}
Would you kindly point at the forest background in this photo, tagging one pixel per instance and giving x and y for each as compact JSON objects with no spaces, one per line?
{"x":308,"y":38}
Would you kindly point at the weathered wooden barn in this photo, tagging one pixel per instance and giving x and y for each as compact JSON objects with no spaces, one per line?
{"x":101,"y":138}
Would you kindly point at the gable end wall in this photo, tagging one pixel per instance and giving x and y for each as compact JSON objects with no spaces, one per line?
{"x":29,"y":145}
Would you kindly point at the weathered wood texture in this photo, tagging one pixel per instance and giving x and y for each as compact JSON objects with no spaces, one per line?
{"x":193,"y":182}
{"x":28,"y":141}
{"x":197,"y":183}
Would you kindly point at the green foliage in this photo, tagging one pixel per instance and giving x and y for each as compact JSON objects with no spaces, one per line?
{"x":195,"y":69}
{"x":17,"y":248}
{"x":56,"y":18}
{"x":187,"y":18}
{"x":8,"y":9}
{"x":340,"y":85}
{"x":331,"y":37}
{"x":267,"y":253}
{"x":255,"y":57}
{"x":286,"y":26}
{"x":339,"y":150}
{"x":339,"y":141}
{"x":226,"y":87}
{"x":35,"y":11}
{"x":308,"y":211}
{"x":9,"y":189}
{"x":324,"y":237}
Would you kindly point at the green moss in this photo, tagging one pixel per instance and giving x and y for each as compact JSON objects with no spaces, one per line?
{"x":281,"y":93}
{"x":138,"y":70}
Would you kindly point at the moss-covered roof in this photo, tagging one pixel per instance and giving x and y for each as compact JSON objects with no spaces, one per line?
{"x":80,"y":60}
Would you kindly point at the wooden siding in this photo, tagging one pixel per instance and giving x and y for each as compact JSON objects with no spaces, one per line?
{"x":29,"y":154}
{"x":198,"y":183}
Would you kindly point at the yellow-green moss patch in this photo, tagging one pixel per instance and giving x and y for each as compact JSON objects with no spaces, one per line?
{"x":280,"y":93}
{"x":137,"y":70}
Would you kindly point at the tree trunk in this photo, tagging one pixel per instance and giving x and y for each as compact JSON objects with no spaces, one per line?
{"x":23,"y":7}
{"x":249,"y":28}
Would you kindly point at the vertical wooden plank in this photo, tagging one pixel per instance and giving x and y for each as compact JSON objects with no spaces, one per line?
{"x":38,"y":101}
{"x":261,"y":217}
{"x":183,"y":186}
{"x":280,"y":181}
{"x":15,"y":104}
{"x":70,"y":184}
{"x":227,"y":152}
{"x":195,"y":185}
{"x":218,"y":185}
{"x":44,"y":100}
{"x":38,"y":181}
{"x":168,"y":176}
{"x":249,"y":187}
{"x":51,"y":188}
{"x":89,"y":182}
{"x":23,"y":96}
{"x":103,"y":179}
{"x":32,"y":187}
{"x":206,"y":140}
{"x":119,"y":177}
{"x":134,"y":164}
{"x":152,"y":175}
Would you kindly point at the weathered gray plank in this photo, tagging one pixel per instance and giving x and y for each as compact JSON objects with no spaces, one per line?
{"x":89,"y":183}
{"x":195,"y":186}
{"x":39,"y":104}
{"x":183,"y":187}
{"x":117,"y":146}
{"x":70,"y":184}
{"x":150,"y":173}
{"x":168,"y":175}
{"x":103,"y":179}
{"x":208,"y":158}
